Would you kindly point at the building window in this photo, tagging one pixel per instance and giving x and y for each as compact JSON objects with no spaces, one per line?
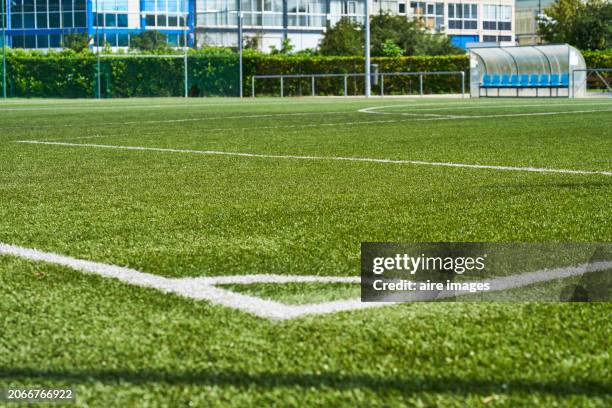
{"x":122,"y":40}
{"x":42,"y":41}
{"x":463,"y":16}
{"x":163,"y":13}
{"x":430,"y":15}
{"x":496,"y":38}
{"x":55,"y":41}
{"x":312,"y":13}
{"x":401,"y":8}
{"x":46,"y":14}
{"x":496,"y":17}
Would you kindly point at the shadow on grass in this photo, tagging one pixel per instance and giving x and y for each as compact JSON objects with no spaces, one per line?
{"x":321,"y":381}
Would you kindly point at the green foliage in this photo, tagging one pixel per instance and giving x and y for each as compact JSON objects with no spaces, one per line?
{"x":408,"y":35}
{"x":252,"y":42}
{"x":583,"y":24}
{"x":286,"y":48}
{"x":214,"y":71}
{"x":390,"y":49}
{"x":76,"y":42}
{"x":598,"y":59}
{"x":150,"y":41}
{"x":343,"y":39}
{"x":346,"y":38}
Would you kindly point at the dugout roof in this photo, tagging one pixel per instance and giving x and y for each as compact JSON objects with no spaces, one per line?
{"x":558,"y":59}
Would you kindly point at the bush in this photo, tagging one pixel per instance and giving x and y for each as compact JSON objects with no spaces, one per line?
{"x":214,"y":72}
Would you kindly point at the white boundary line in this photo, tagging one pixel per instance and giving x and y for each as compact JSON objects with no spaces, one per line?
{"x":423,"y":117}
{"x":457,"y":106}
{"x":371,"y":110}
{"x":190,"y":103}
{"x":204,"y":288}
{"x":323,"y":158}
{"x":200,"y":119}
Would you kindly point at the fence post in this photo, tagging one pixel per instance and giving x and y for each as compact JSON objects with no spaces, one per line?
{"x":421,"y":83}
{"x":253,"y":86}
{"x":345,"y":86}
{"x":463,"y":84}
{"x":282,"y":90}
{"x":382,"y":85}
{"x":312,"y":85}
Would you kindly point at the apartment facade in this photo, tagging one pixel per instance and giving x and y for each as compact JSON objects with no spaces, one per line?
{"x":304,"y":22}
{"x":43,"y":24}
{"x":527,"y":12}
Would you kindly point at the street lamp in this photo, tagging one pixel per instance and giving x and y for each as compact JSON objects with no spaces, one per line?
{"x":367,"y":49}
{"x":4,"y":48}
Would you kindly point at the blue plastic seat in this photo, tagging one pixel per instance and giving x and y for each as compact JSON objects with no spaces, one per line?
{"x":565,"y":80}
{"x":555,"y":81}
{"x":515,"y":81}
{"x":505,"y":81}
{"x":533,"y":80}
{"x":486,"y":81}
{"x":544,"y":81}
{"x":524,"y":80}
{"x":495,"y":81}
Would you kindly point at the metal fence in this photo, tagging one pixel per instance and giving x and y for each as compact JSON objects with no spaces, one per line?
{"x":595,"y":81}
{"x":377,"y":79}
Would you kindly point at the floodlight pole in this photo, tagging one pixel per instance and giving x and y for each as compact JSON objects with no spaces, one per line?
{"x":4,"y":48}
{"x":185,"y":47}
{"x":240,"y":46}
{"x":368,"y":86}
{"x":99,"y":83}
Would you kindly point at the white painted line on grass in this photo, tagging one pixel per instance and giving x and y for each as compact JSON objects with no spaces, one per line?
{"x":204,"y":288}
{"x":191,"y":103}
{"x":417,"y":118}
{"x":372,"y":110}
{"x":457,"y":106}
{"x":323,"y":158}
{"x":263,"y":115}
{"x":265,"y":278}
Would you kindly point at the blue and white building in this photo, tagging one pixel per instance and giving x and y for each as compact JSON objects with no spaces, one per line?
{"x":43,"y":23}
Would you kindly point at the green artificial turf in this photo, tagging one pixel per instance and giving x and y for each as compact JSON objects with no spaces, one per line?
{"x":187,"y":215}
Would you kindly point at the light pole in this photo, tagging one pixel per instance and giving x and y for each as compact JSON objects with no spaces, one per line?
{"x":367,"y":49}
{"x":240,"y":45}
{"x":185,"y":6}
{"x":98,"y":80}
{"x":4,"y":48}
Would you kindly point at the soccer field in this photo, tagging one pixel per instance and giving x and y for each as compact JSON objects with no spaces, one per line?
{"x":187,"y":201}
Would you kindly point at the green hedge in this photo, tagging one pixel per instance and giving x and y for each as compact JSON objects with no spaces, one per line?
{"x":598,"y":59}
{"x":71,"y":75}
{"x":334,"y":86}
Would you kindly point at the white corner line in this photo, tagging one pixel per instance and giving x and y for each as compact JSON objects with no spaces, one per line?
{"x":321,"y":158}
{"x":203,"y":288}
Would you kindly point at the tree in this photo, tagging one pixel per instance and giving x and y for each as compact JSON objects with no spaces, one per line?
{"x":583,"y":24}
{"x":286,"y":48}
{"x":149,"y":41}
{"x":408,"y":35}
{"x":391,"y":49}
{"x":345,"y":38}
{"x":253,"y":42}
{"x":76,"y":42}
{"x":389,"y":35}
